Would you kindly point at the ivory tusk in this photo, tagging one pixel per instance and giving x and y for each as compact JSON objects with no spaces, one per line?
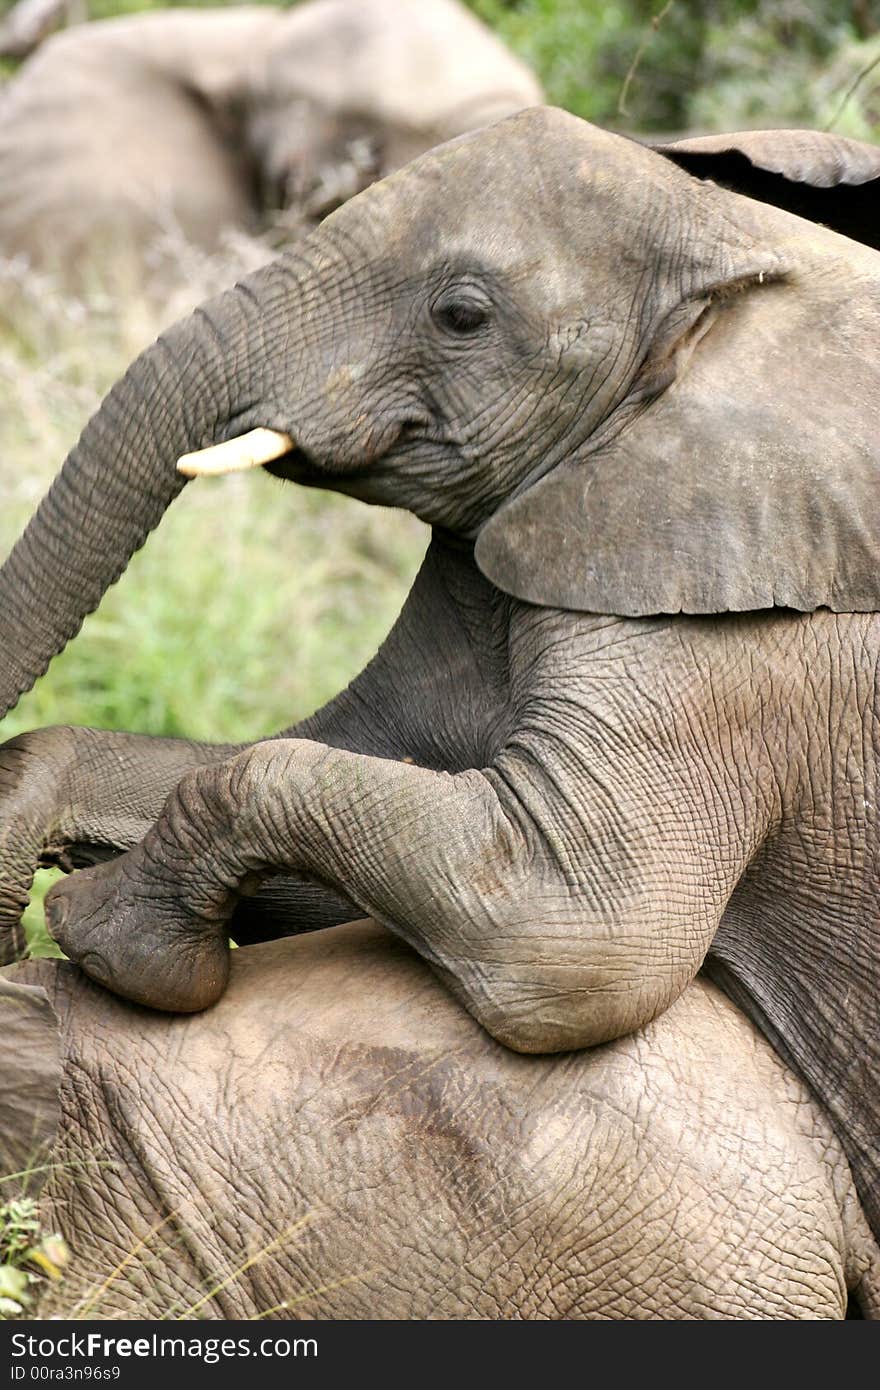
{"x":249,"y":450}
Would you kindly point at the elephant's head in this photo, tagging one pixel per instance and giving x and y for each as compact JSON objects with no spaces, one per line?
{"x":635,"y":391}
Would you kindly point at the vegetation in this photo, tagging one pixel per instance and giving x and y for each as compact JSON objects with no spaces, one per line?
{"x":646,"y":65}
{"x":28,"y":1256}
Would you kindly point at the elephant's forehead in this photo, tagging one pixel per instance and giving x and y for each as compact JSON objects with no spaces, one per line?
{"x":541,"y":179}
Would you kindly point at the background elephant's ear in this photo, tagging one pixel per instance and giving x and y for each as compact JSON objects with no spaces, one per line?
{"x":751,"y":481}
{"x":30,"y":1078}
{"x":822,"y":177}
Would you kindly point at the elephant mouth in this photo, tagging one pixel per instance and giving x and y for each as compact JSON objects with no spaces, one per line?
{"x":274,"y":450}
{"x":280,"y":454}
{"x":296,"y":466}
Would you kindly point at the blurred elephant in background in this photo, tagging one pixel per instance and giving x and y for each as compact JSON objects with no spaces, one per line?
{"x":391,"y":1161}
{"x":196,"y":121}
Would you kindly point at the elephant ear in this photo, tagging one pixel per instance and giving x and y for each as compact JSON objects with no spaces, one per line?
{"x":822,"y":177}
{"x":743,"y":469}
{"x":30,"y":1079}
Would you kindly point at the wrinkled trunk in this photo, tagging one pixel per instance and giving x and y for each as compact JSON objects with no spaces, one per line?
{"x":179,"y":395}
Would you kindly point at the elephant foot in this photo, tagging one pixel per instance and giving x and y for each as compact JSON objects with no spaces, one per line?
{"x":137,"y":942}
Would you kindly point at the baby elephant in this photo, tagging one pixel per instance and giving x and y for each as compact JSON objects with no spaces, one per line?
{"x":372,"y":1153}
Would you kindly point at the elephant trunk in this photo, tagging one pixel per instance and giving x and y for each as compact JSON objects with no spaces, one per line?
{"x":116,"y":483}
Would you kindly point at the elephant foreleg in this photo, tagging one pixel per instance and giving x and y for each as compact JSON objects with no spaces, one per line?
{"x":75,"y":797}
{"x":431,"y":854}
{"x":448,"y":861}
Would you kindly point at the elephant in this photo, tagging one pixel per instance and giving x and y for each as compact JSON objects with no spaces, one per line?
{"x":626,"y":725}
{"x":382,"y":1157}
{"x":197,"y":121}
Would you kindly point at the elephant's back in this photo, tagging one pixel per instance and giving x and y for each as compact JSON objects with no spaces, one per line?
{"x":340,"y":1081}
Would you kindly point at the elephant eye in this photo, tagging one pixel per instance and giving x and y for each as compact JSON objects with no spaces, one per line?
{"x":461,"y":314}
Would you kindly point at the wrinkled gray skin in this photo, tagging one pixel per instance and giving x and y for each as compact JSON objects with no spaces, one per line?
{"x":395,"y":1162}
{"x":194,"y":122}
{"x":615,"y":391}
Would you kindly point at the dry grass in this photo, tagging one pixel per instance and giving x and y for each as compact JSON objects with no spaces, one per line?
{"x":40,"y":1278}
